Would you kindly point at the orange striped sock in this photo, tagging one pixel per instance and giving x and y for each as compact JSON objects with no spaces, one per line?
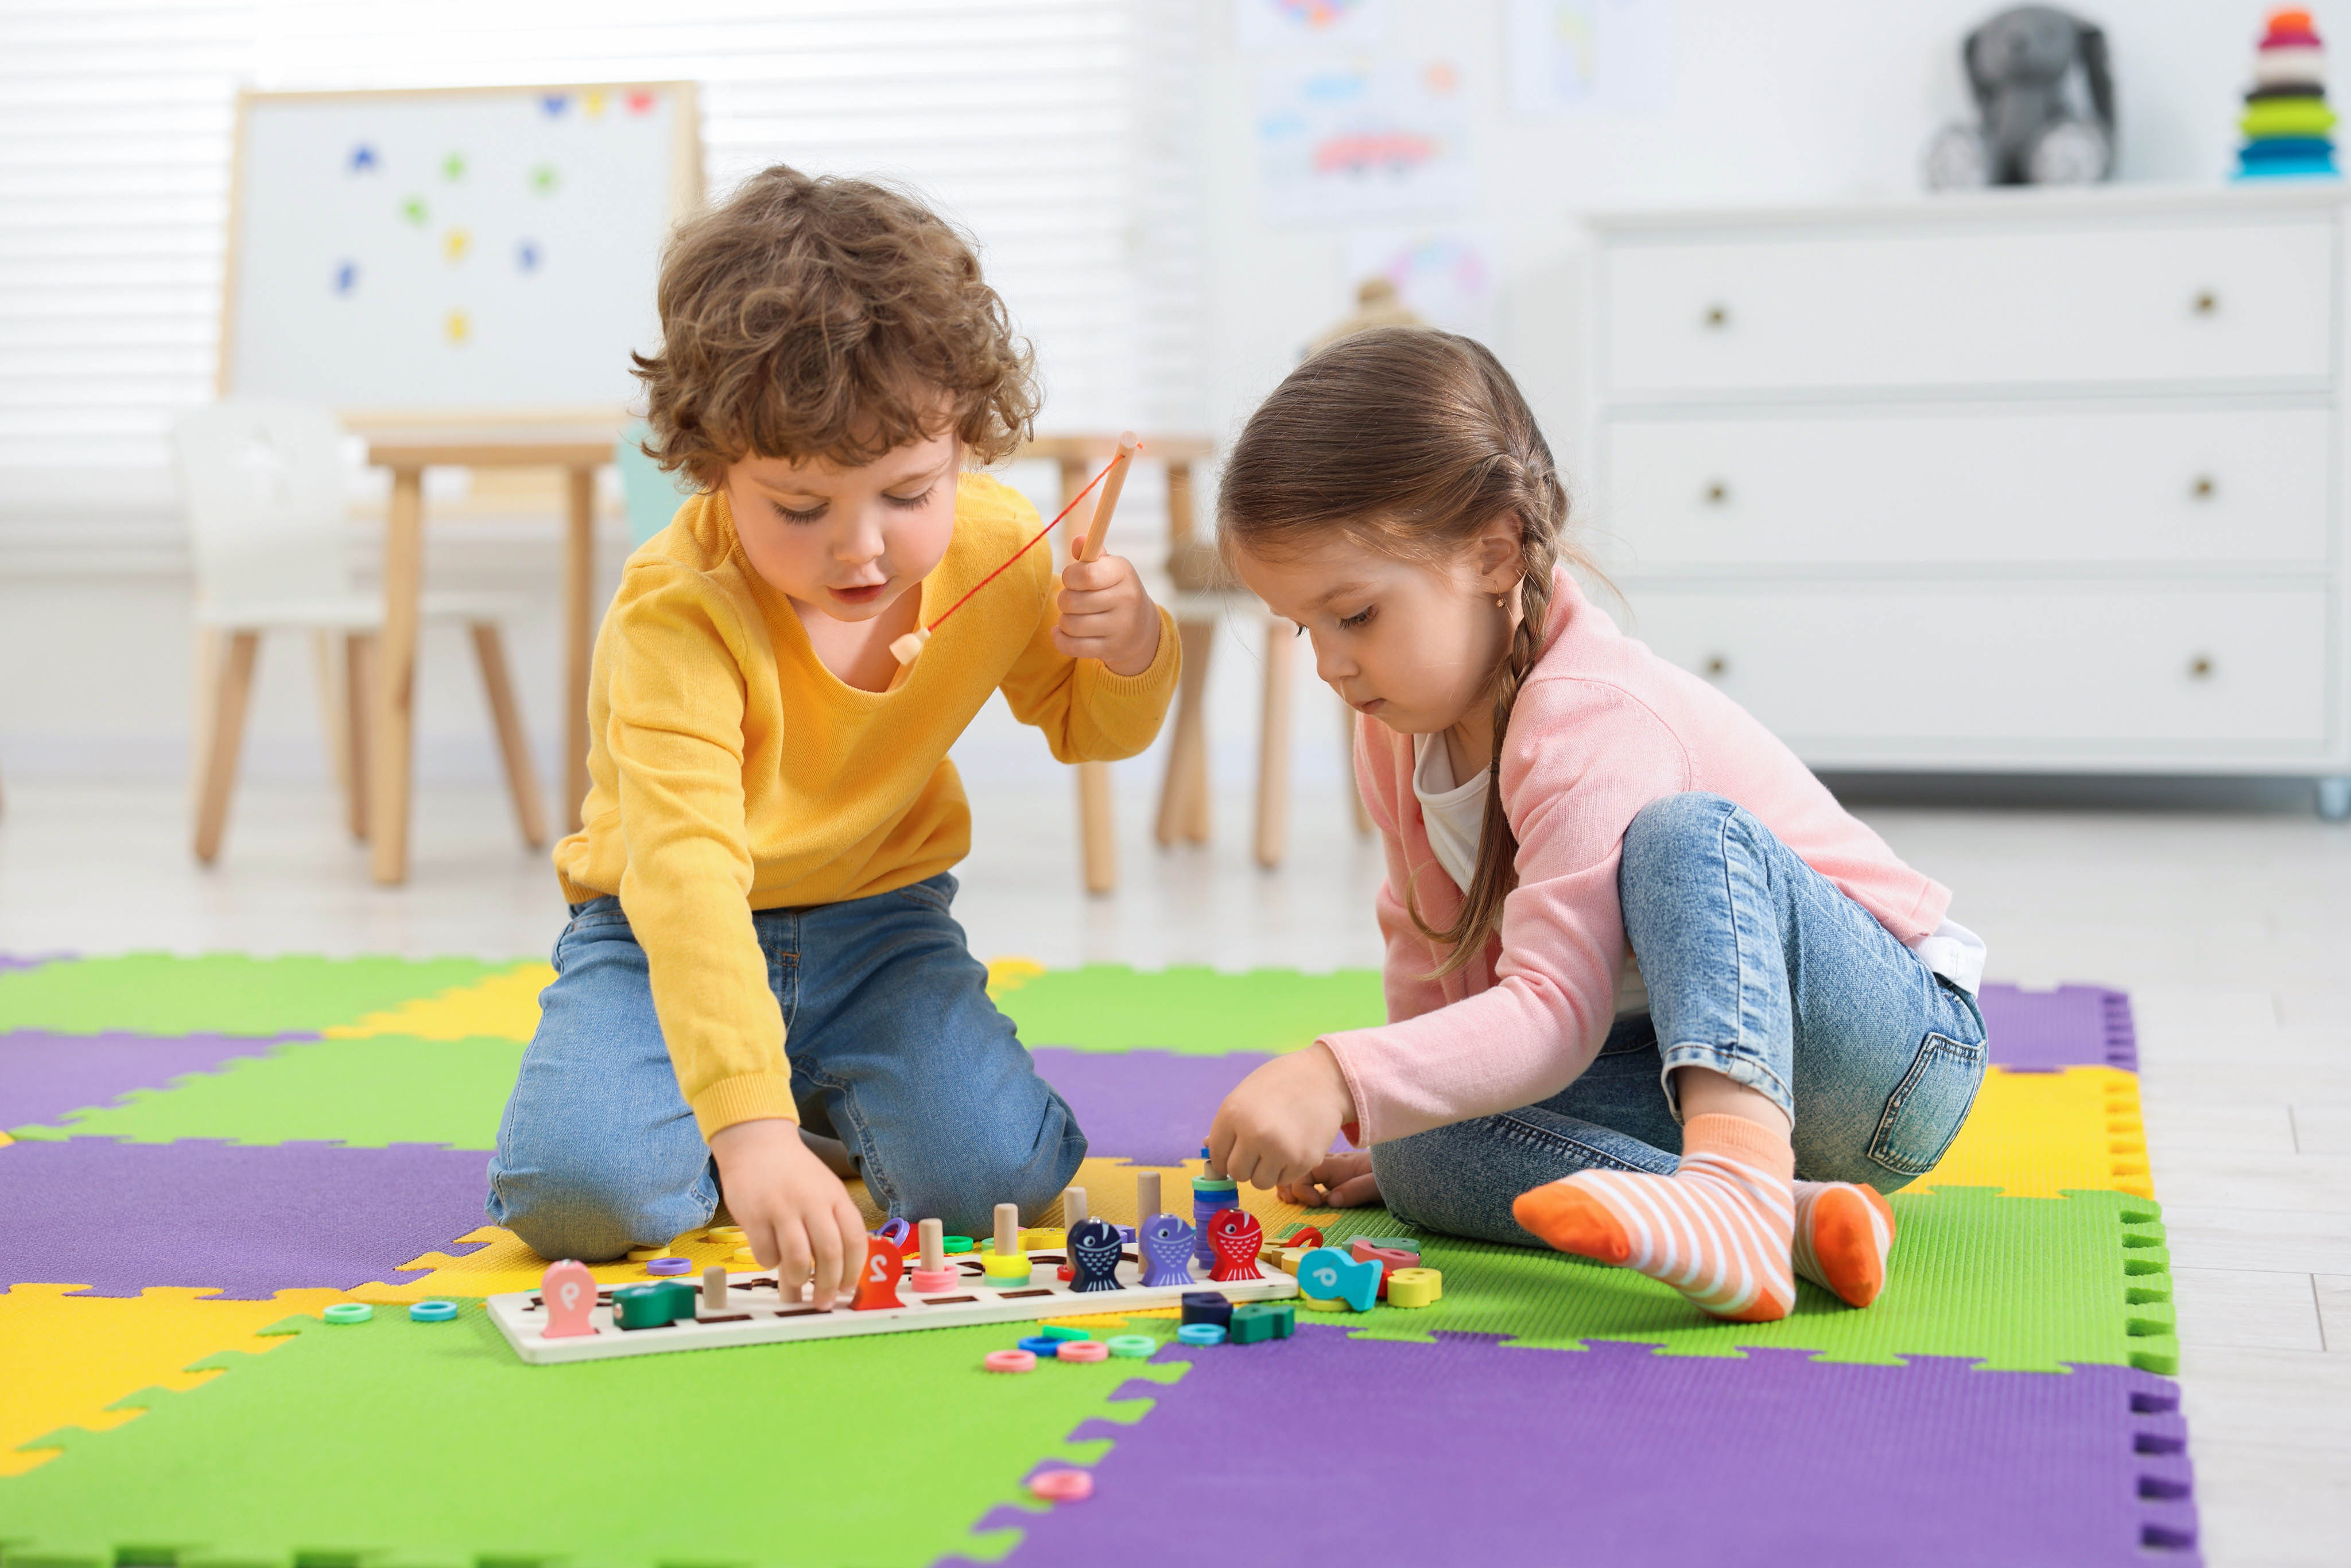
{"x":1844,"y":1231}
{"x":1717,"y":1229}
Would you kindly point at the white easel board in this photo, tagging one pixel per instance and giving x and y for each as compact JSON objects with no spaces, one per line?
{"x":756,"y":1313}
{"x":472,"y":253}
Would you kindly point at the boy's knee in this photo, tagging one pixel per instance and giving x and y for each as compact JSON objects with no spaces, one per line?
{"x":585,"y":1213}
{"x":960,"y":1181}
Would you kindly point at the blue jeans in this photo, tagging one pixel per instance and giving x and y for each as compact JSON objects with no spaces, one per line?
{"x":1757,"y":967}
{"x":893,"y":1048}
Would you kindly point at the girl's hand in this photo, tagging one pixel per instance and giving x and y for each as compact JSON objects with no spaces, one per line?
{"x":798,"y":1217}
{"x":1342,"y":1181}
{"x":1278,"y":1126}
{"x":1106,"y":615}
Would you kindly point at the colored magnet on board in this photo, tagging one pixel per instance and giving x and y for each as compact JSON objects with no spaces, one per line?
{"x":347,"y":277}
{"x":452,"y":167}
{"x":569,"y":1291}
{"x":363,"y":159}
{"x":593,"y":101}
{"x":527,"y":255}
{"x":1234,"y":1235}
{"x":1207,"y":1307}
{"x":640,"y":102}
{"x":877,"y":1277}
{"x":454,"y":247}
{"x":1202,"y":1334}
{"x":544,"y":179}
{"x":554,"y":103}
{"x":1256,"y":1321}
{"x":1167,"y":1248}
{"x":459,"y":325}
{"x":1094,"y":1254}
{"x":414,"y":211}
{"x":1328,"y":1274}
{"x":1415,"y":1287}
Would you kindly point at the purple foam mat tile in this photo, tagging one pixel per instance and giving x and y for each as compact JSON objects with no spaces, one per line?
{"x":27,"y":960}
{"x":2073,"y":1026}
{"x":248,"y":1221}
{"x":1151,"y":1107}
{"x":44,"y":1075}
{"x":1468,"y":1451}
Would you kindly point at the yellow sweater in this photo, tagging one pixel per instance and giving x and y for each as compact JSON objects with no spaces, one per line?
{"x":729,"y":771}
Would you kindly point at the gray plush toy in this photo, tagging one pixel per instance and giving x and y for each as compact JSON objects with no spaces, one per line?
{"x":2038,"y":129}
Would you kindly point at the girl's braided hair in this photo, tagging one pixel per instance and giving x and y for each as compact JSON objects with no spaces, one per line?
{"x":1412,"y":441}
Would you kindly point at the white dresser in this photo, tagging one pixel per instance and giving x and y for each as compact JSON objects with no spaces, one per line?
{"x":2021,"y":480}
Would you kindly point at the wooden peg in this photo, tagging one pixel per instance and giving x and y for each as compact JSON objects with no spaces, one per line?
{"x":933,"y":1245}
{"x":1073,"y":1208}
{"x":1007,"y":1229}
{"x":1113,"y":481}
{"x":714,"y":1288}
{"x":1146,"y":1197}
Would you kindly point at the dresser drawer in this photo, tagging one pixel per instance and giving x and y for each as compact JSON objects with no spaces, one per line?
{"x":2123,"y":303}
{"x":2243,"y":485}
{"x":1847,"y":673}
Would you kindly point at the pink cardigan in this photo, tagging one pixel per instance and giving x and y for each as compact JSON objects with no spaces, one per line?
{"x":1602,"y":727}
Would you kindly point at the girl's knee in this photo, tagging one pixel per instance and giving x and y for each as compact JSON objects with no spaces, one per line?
{"x":1677,"y":826}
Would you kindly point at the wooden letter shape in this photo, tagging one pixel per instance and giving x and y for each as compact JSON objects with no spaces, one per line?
{"x":1235,"y":1235}
{"x":569,"y":1291}
{"x":877,"y":1281}
{"x":1095,"y":1248}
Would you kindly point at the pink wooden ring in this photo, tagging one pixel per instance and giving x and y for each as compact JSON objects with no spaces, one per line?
{"x":1082,"y":1349}
{"x":1062,"y":1486}
{"x":1010,"y":1361}
{"x":934,"y":1282}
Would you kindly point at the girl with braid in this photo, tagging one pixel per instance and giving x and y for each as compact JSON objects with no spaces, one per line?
{"x":1654,"y":997}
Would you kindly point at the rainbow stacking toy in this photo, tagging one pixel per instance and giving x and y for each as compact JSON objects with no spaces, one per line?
{"x":2286,"y":121}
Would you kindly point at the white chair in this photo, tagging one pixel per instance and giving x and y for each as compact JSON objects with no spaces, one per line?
{"x":263,"y":483}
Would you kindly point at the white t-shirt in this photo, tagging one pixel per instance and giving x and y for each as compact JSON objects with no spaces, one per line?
{"x":1455,"y":816}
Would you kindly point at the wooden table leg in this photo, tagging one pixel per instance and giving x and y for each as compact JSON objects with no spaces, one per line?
{"x":395,"y":661}
{"x":1183,"y":791}
{"x":579,"y":643}
{"x":1097,"y":815}
{"x":1273,"y":746}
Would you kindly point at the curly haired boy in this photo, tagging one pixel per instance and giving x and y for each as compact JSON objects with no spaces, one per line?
{"x":761,"y":938}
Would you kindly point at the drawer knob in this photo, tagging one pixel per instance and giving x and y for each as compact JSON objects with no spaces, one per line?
{"x":2206,"y":303}
{"x":2202,"y":487}
{"x":1717,"y":666}
{"x":1717,"y":493}
{"x":2199,"y":667}
{"x":1716,"y":316}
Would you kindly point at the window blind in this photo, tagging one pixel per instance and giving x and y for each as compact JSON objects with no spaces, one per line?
{"x":1056,"y":132}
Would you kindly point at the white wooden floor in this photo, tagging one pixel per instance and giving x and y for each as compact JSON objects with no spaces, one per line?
{"x":2233,"y":932}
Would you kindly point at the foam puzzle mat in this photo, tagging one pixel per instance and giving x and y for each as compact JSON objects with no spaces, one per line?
{"x":198,"y":1156}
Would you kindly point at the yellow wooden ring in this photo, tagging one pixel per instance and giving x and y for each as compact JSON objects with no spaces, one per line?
{"x":1014,"y":1267}
{"x":1323,"y":1304}
{"x":1415,"y":1287}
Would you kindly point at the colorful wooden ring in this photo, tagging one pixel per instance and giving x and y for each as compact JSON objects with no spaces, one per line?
{"x":1005,"y":1271}
{"x":1083,"y":1350}
{"x":1415,"y":1287}
{"x":1201,"y":1333}
{"x":1132,"y":1346}
{"x":953,"y":1244}
{"x":348,"y":1313}
{"x":642,"y":1254}
{"x":934,"y":1282}
{"x":1010,"y":1361}
{"x":1322,"y":1305}
{"x":1062,"y":1486}
{"x":432,"y":1311}
{"x":668,"y":1265}
{"x":1040,"y":1347}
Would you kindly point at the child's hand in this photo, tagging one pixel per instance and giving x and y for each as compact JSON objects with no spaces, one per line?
{"x":1106,"y":615}
{"x":1276,"y":1128}
{"x":1342,"y":1181}
{"x":798,"y":1217}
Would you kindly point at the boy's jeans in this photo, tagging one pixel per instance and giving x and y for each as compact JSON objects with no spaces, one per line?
{"x":1757,"y":967}
{"x":894,"y":1047}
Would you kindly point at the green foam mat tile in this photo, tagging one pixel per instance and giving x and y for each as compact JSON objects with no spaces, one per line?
{"x":222,"y":993}
{"x":1195,"y":1012}
{"x":2020,"y":1284}
{"x":367,"y":1092}
{"x":406,"y":1445}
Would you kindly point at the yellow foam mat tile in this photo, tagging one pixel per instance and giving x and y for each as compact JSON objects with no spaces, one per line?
{"x":504,"y":1006}
{"x":2040,"y":1134}
{"x":1010,"y":974}
{"x":65,"y":1359}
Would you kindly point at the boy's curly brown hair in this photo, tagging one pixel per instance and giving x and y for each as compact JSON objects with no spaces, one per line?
{"x":827,"y":319}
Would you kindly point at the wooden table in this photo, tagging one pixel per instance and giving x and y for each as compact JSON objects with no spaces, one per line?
{"x":579,"y":450}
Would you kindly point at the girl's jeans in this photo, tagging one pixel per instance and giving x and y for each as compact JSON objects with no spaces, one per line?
{"x":1757,"y":967}
{"x":893,"y":1048}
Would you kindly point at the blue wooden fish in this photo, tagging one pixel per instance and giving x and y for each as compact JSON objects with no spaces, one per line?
{"x":1330,"y":1275}
{"x":1166,"y":1248}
